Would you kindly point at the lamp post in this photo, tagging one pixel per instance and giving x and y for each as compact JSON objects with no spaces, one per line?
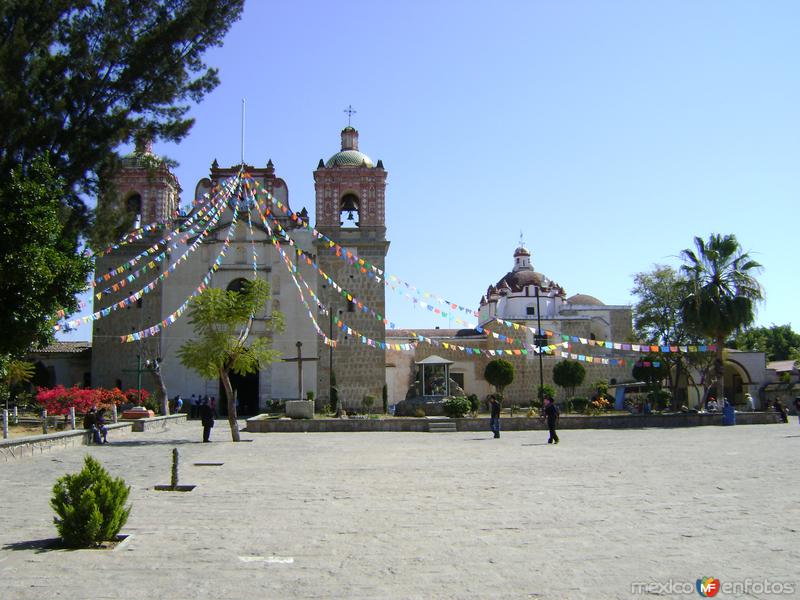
{"x":539,"y":345}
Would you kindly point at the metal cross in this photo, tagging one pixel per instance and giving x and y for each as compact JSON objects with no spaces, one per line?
{"x":350,"y":112}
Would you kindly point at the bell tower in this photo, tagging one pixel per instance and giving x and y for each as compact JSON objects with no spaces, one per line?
{"x":350,"y":210}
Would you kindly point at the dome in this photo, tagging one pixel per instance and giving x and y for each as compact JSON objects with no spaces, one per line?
{"x":585,"y":299}
{"x":349,"y":158}
{"x":517,"y":280}
{"x":521,"y":251}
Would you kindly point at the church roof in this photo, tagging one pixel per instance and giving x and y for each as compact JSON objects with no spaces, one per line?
{"x":585,"y":299}
{"x":517,"y":280}
{"x":349,"y":158}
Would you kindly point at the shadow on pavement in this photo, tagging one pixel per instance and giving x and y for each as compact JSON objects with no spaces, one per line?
{"x":152,"y":442}
{"x":38,"y":545}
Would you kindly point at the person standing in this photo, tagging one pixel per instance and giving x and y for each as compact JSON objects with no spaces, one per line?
{"x":193,"y":405}
{"x":551,"y":414}
{"x":207,"y":419}
{"x":797,"y":407}
{"x":90,"y":423}
{"x":494,"y":411}
{"x":178,"y":404}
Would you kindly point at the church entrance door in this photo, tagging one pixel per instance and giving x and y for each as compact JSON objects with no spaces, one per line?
{"x":245,"y":389}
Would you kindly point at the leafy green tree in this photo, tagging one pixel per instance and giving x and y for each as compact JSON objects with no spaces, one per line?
{"x":545,"y":390}
{"x":778,"y":342}
{"x":80,"y":78}
{"x":222,"y":322}
{"x":652,"y":370}
{"x":41,"y":268}
{"x":568,"y":374}
{"x":499,"y":373}
{"x":721,"y":292}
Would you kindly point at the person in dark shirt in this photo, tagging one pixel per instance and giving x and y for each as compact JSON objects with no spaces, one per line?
{"x":207,"y":419}
{"x":494,"y":421}
{"x":551,"y":414}
{"x":90,"y":423}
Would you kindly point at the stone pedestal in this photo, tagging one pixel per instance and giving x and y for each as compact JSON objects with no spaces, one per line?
{"x":138,"y":413}
{"x":300,"y":409}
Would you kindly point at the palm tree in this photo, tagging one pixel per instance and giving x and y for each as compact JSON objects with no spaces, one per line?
{"x":721,"y":292}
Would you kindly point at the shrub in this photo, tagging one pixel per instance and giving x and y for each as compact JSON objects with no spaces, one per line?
{"x":474,"y":403}
{"x":544,"y":390}
{"x":369,"y":401}
{"x":310,"y":395}
{"x":456,"y":407}
{"x":597,"y":406}
{"x":578,"y":404}
{"x":90,"y":506}
{"x":419,"y":412}
{"x":659,"y":399}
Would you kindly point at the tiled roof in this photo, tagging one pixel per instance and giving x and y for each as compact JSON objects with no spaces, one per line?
{"x":64,"y":347}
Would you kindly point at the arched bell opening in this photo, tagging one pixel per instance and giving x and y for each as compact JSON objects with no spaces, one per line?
{"x":349,"y":211}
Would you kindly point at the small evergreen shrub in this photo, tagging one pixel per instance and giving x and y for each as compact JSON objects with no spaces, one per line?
{"x":369,"y":402}
{"x":456,"y":407}
{"x":419,"y":412}
{"x":90,"y":506}
{"x":385,"y":399}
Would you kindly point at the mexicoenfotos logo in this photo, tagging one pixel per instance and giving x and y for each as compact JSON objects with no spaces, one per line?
{"x":707,"y":587}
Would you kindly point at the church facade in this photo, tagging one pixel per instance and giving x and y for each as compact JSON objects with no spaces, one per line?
{"x":347,"y":299}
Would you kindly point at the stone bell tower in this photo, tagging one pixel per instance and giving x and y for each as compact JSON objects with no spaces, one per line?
{"x":350,"y":210}
{"x":146,"y":188}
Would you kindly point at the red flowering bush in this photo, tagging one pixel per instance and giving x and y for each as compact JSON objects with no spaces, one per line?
{"x":58,"y":400}
{"x":132,"y":395}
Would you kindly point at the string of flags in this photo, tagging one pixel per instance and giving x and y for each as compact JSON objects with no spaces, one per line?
{"x":176,"y":314}
{"x":156,"y":260}
{"x":213,"y":207}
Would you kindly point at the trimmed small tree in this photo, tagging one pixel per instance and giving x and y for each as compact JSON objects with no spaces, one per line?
{"x":222,"y":321}
{"x":500,"y":374}
{"x":90,"y":506}
{"x":568,"y":374}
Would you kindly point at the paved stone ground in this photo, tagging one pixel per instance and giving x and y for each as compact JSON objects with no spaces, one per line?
{"x":421,"y":515}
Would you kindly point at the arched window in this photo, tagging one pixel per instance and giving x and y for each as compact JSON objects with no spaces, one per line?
{"x":348,"y":211}
{"x":237,"y":285}
{"x":133,"y":205}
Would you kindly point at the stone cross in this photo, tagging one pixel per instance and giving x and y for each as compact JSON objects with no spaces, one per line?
{"x":299,"y":360}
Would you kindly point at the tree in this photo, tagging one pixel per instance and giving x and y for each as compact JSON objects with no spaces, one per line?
{"x":41,"y":268}
{"x":778,"y":342}
{"x":568,"y":374}
{"x":13,"y":373}
{"x":721,"y":292}
{"x":658,"y":319}
{"x":499,"y":373}
{"x":78,"y":79}
{"x":222,"y":321}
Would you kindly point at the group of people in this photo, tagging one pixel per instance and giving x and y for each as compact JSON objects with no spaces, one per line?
{"x":550,"y":413}
{"x":783,"y":412}
{"x":203,"y":408}
{"x":95,"y":423}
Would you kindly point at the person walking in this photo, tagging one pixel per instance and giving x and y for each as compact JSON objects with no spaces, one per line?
{"x":178,"y":404}
{"x":207,"y":419}
{"x":551,"y":414}
{"x":494,"y":420}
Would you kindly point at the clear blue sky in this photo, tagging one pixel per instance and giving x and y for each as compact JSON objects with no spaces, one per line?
{"x":609,"y":133}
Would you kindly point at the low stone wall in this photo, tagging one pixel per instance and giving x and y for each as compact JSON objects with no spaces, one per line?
{"x":156,"y":423}
{"x":16,"y":448}
{"x":261,"y":424}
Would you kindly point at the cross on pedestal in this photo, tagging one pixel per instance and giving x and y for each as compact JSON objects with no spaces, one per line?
{"x":299,"y":360}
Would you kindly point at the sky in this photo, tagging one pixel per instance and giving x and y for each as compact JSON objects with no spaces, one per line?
{"x":607,"y":134}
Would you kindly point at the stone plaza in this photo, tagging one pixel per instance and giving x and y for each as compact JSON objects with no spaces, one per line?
{"x":605,"y":514}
